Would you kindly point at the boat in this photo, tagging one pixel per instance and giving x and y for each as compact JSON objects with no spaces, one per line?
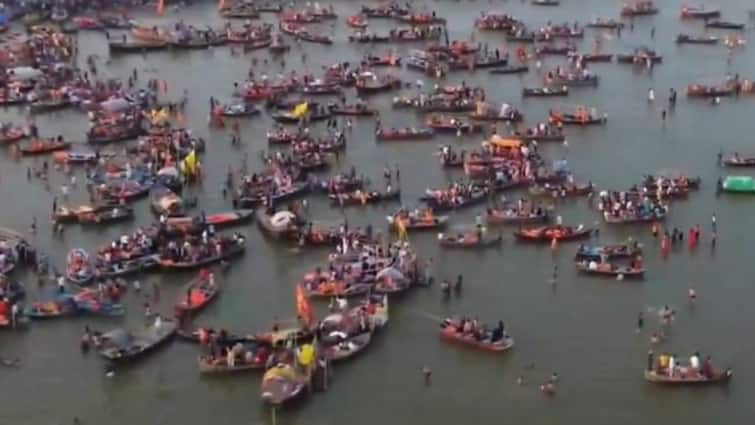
{"x":356,"y":110}
{"x":120,"y":345}
{"x":420,"y":19}
{"x":452,"y":124}
{"x":326,"y":289}
{"x":692,"y":12}
{"x":545,"y":2}
{"x":43,"y":147}
{"x":639,"y":57}
{"x":365,"y":86}
{"x":510,"y":69}
{"x":738,"y":184}
{"x":609,"y":252}
{"x":114,"y":134}
{"x":363,"y":197}
{"x":240,"y":11}
{"x":404,"y":134}
{"x":232,"y":249}
{"x":657,"y":372}
{"x":194,"y":225}
{"x":417,"y":220}
{"x":512,"y":216}
{"x":469,"y":240}
{"x":609,"y":269}
{"x":290,"y":118}
{"x":240,"y":110}
{"x":79,"y":269}
{"x":113,"y":214}
{"x":574,"y":80}
{"x":591,"y":57}
{"x":573,"y":119}
{"x":124,"y":46}
{"x":657,"y":214}
{"x":601,"y":23}
{"x":348,"y":347}
{"x":561,"y":190}
{"x":279,"y":225}
{"x":62,"y":306}
{"x":699,"y":90}
{"x":439,"y":201}
{"x":389,"y":10}
{"x":724,"y":25}
{"x":11,"y":135}
{"x":357,"y":21}
{"x":696,"y":39}
{"x":549,"y":233}
{"x":737,"y":161}
{"x":545,"y":92}
{"x":368,"y":37}
{"x":451,"y":329}
{"x":198,"y":293}
{"x":128,"y":267}
{"x":165,"y":202}
{"x":289,"y":380}
{"x":639,"y":8}
{"x":255,"y":199}
{"x":248,"y":354}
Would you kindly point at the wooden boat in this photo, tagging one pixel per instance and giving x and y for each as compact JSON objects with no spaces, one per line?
{"x":474,"y":197}
{"x":194,"y":225}
{"x":128,"y":267}
{"x":43,"y":147}
{"x":290,"y":118}
{"x":12,"y":135}
{"x":320,"y":89}
{"x":592,"y":57}
{"x":696,"y":39}
{"x":235,"y":248}
{"x":724,"y":25}
{"x":608,"y":269}
{"x":510,"y":69}
{"x":610,"y":252}
{"x":634,"y":217}
{"x":281,"y":225}
{"x":384,"y":84}
{"x":513,"y":217}
{"x":198,"y":293}
{"x":67,"y":215}
{"x":420,"y":19}
{"x":545,"y":92}
{"x":694,"y":380}
{"x":450,"y":124}
{"x":554,"y":49}
{"x":469,"y":240}
{"x":390,"y":10}
{"x":561,"y":190}
{"x":639,"y":8}
{"x":347,"y":348}
{"x":640,"y":57}
{"x":549,"y":233}
{"x":115,"y":134}
{"x":165,"y":202}
{"x":525,"y":37}
{"x":450,"y":332}
{"x":120,"y":345}
{"x":357,"y":110}
{"x":404,"y":134}
{"x":575,"y":81}
{"x":545,"y":2}
{"x":240,"y":11}
{"x":113,"y":214}
{"x":240,"y":110}
{"x":360,"y":197}
{"x":357,"y":21}
{"x":699,"y":90}
{"x":600,"y":23}
{"x":79,"y":268}
{"x":691,"y":12}
{"x":572,"y":119}
{"x":253,"y":355}
{"x":314,"y":38}
{"x":255,"y":199}
{"x":288,"y":381}
{"x":368,"y":37}
{"x":736,"y":161}
{"x":121,"y":46}
{"x":335,"y":289}
{"x":414,"y":223}
{"x":54,"y":309}
{"x":462,"y":64}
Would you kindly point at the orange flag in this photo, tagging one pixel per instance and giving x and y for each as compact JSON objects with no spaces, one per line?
{"x":303,"y":307}
{"x":161,"y":7}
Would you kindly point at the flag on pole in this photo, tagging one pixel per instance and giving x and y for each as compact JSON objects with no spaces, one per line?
{"x":303,"y":307}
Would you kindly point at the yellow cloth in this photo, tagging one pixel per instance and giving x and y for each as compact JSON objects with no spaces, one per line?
{"x":190,"y":163}
{"x":301,"y":110}
{"x":307,"y":355}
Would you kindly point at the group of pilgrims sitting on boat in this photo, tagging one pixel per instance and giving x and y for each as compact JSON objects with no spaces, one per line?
{"x":668,"y":368}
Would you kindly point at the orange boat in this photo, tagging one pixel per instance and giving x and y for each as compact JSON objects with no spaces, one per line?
{"x":549,"y":233}
{"x":198,"y":293}
{"x":357,"y":21}
{"x":153,"y":34}
{"x":495,"y":340}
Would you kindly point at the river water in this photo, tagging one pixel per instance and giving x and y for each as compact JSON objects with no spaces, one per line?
{"x":581,"y":328}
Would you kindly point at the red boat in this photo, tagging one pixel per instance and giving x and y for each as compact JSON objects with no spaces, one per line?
{"x":496,"y":340}
{"x":11,"y":135}
{"x":41,"y":147}
{"x":198,"y":293}
{"x":549,"y":233}
{"x":405,"y":134}
{"x":357,"y":21}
